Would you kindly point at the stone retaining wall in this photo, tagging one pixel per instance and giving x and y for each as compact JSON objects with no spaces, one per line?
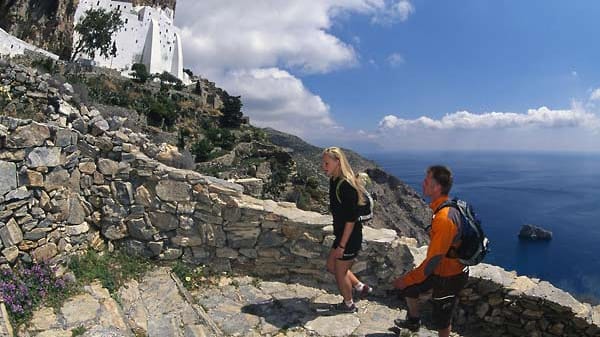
{"x":67,"y":189}
{"x":500,"y":303}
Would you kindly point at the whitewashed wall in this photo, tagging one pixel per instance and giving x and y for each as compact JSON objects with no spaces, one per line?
{"x":148,"y":36}
{"x":10,"y":45}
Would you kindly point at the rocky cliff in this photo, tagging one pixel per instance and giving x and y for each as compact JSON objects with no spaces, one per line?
{"x":47,"y":24}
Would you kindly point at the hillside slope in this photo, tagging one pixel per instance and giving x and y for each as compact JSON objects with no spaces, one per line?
{"x":397,"y":205}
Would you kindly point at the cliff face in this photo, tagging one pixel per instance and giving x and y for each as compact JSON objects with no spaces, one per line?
{"x":48,"y":24}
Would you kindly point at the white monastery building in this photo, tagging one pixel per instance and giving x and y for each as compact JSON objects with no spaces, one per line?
{"x":10,"y":45}
{"x":148,"y":36}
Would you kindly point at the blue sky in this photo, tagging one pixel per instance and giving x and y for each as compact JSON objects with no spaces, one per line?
{"x":398,"y":74}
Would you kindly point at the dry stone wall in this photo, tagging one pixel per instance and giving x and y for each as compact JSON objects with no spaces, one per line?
{"x":500,"y":303}
{"x":70,"y":188}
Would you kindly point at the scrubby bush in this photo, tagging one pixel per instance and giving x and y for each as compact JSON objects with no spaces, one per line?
{"x":111,"y":269}
{"x":201,"y":150}
{"x":222,"y":138}
{"x":168,"y":78}
{"x":232,"y":112}
{"x":140,"y":73}
{"x":162,"y":112}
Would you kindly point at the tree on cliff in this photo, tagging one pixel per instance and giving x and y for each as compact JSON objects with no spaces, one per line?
{"x":96,"y":31}
{"x":232,"y":111}
{"x":139,"y":73}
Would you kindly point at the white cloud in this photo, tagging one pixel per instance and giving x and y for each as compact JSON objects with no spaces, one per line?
{"x":252,"y":49}
{"x":541,"y":117}
{"x":538,"y":129}
{"x":528,"y":139}
{"x":396,"y":11}
{"x":595,"y":96}
{"x":395,"y":59}
{"x":221,"y":35}
{"x":273,"y":97}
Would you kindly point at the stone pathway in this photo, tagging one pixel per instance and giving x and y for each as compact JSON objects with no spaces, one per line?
{"x":244,"y":306}
{"x":159,"y":306}
{"x":153,"y":307}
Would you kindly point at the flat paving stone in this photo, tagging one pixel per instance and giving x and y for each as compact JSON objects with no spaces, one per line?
{"x":250,"y":307}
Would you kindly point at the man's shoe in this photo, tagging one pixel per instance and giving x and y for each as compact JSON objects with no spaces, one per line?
{"x":412,"y":324}
{"x":366,"y":291}
{"x":343,"y":308}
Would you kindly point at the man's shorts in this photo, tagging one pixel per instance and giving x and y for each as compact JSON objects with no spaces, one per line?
{"x":444,"y":297}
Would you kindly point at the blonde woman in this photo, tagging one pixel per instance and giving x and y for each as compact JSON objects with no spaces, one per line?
{"x":346,"y":193}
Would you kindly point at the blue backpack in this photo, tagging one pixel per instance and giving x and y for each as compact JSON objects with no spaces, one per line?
{"x":474,"y":244}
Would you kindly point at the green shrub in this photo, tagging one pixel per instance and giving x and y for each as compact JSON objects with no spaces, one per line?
{"x":140,"y":73}
{"x":222,"y":138}
{"x":78,"y":331}
{"x":162,"y":112}
{"x":232,"y":112}
{"x":303,"y":201}
{"x":191,"y":276}
{"x":312,"y":182}
{"x":201,"y":150}
{"x":112,"y":270}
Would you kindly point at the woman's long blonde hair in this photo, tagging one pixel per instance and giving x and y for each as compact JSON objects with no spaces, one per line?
{"x":346,"y":172}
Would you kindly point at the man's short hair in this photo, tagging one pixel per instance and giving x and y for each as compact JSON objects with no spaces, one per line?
{"x":443,"y":176}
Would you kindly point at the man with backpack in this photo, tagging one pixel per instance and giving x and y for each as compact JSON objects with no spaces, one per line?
{"x":441,"y":270}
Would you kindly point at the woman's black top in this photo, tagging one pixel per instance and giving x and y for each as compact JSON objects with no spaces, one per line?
{"x":345,"y":210}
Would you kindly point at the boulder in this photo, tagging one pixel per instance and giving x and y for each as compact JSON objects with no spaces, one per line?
{"x":171,"y":156}
{"x":532,"y":232}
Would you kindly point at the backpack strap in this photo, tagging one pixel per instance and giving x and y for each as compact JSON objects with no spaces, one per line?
{"x":447,"y":203}
{"x":451,"y":253}
{"x":337,"y":190}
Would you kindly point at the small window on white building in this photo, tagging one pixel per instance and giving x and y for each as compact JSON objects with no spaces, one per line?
{"x":98,"y":3}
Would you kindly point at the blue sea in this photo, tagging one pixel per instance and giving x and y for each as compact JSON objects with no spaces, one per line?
{"x":557,"y":191}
